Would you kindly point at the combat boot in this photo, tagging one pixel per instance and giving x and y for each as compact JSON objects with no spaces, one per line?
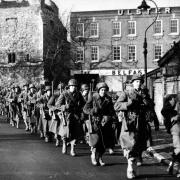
{"x":101,"y":163}
{"x":57,"y":142}
{"x":131,"y":174}
{"x":72,"y":152}
{"x":64,"y":147}
{"x":93,"y":157}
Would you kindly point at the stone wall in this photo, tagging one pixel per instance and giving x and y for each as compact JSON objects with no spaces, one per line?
{"x":30,"y":32}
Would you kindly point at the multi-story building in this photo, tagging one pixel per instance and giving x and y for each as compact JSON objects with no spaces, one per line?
{"x":112,"y":48}
{"x":30,"y":33}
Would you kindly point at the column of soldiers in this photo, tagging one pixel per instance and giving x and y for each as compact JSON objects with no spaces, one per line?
{"x":69,"y":115}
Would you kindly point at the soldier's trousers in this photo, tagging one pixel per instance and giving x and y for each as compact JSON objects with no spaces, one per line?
{"x":175,"y":132}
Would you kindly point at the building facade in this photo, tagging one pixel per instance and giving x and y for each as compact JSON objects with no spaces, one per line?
{"x":30,"y":33}
{"x":110,"y":44}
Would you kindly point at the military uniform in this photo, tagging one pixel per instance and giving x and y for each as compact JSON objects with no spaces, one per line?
{"x":12,"y":108}
{"x":102,"y":114}
{"x":134,"y":131}
{"x":40,"y":94}
{"x":55,"y":121}
{"x":24,"y":104}
{"x":71,"y":104}
{"x":171,"y":116}
{"x":84,"y":117}
{"x":32,"y":100}
{"x":46,"y":118}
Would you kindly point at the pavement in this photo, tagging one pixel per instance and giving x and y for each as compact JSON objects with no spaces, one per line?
{"x":27,"y":157}
{"x":162,"y":145}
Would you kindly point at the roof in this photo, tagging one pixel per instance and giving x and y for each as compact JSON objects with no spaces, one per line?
{"x":169,"y":54}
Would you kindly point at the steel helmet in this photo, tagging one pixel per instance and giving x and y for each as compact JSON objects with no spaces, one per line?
{"x":102,"y":85}
{"x":32,"y":86}
{"x":84,"y":87}
{"x":137,"y":77}
{"x":72,"y":82}
{"x":48,"y":88}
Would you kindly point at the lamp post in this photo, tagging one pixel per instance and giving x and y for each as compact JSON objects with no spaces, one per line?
{"x":144,"y":6}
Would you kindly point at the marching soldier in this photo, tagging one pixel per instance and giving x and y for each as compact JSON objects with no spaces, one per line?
{"x":71,"y":103}
{"x":12,"y":105}
{"x":18,"y":114}
{"x":55,"y":122}
{"x":7,"y":104}
{"x":101,"y":113}
{"x":24,"y":104}
{"x":170,"y":112}
{"x":32,"y":98}
{"x":46,"y":118}
{"x":134,"y":131}
{"x":85,"y":117}
{"x":40,"y":94}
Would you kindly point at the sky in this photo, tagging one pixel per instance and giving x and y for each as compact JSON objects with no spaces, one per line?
{"x":89,"y":5}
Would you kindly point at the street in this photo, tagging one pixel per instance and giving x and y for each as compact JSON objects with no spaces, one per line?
{"x":27,"y":157}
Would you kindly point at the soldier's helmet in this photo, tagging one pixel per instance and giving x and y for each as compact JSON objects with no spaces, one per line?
{"x":137,"y":77}
{"x":17,"y":87}
{"x":26,"y":85}
{"x":101,"y":85}
{"x":84,"y":87}
{"x":32,"y":86}
{"x":72,"y":82}
{"x":48,"y":88}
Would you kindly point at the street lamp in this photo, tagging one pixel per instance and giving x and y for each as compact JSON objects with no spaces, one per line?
{"x":144,"y":6}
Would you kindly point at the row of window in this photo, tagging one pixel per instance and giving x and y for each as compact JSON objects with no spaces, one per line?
{"x":116,"y":53}
{"x":116,"y":28}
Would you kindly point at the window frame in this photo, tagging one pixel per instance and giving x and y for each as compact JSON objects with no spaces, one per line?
{"x":161,"y":33}
{"x":129,"y":60}
{"x":174,"y":33}
{"x":157,"y":59}
{"x":97,"y":60}
{"x":113,"y":59}
{"x":116,"y":35}
{"x":94,"y":36}
{"x":77,"y":35}
{"x":131,"y":35}
{"x":82,"y":49}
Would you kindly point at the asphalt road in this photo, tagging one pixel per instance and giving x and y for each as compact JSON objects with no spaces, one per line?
{"x":26,"y":157}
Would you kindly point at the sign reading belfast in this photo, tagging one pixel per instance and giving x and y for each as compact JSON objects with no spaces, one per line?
{"x":111,"y":72}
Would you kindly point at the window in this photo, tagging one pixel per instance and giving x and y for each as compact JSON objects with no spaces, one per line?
{"x":11,"y":58}
{"x":131,"y":53}
{"x":94,"y":53}
{"x":158,"y":27}
{"x":157,"y":52}
{"x":27,"y":57}
{"x":80,"y":29}
{"x":174,"y":24}
{"x":131,"y":28}
{"x":116,"y":53}
{"x":116,"y":28}
{"x":94,"y":30}
{"x":80,"y":54}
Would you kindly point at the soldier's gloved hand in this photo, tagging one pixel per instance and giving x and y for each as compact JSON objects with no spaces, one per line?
{"x":63,"y":107}
{"x":94,"y":111}
{"x":130,"y":102}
